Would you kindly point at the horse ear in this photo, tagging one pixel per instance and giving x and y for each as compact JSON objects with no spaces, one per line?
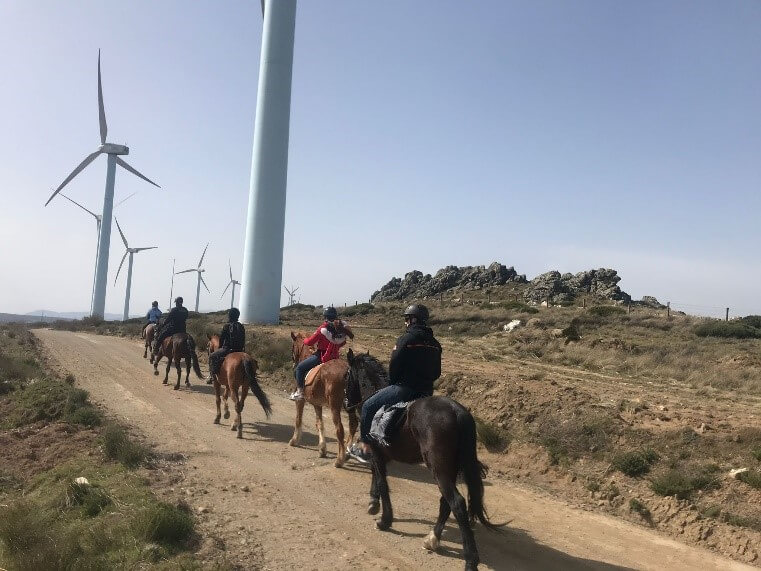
{"x":350,"y":356}
{"x":293,"y":336}
{"x":208,"y":337}
{"x":368,"y":351}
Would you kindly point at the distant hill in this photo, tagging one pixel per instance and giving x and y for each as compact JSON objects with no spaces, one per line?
{"x":53,"y":315}
{"x":15,"y":318}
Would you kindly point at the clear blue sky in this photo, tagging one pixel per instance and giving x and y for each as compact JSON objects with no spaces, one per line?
{"x":544,"y":135}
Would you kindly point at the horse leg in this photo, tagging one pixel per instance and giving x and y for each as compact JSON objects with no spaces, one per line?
{"x":374,"y":506}
{"x":145,"y":353}
{"x":353,"y":424}
{"x":387,"y":515}
{"x":459,"y":509}
{"x":321,"y":446}
{"x":168,"y":366}
{"x":187,"y":371}
{"x":335,"y":410}
{"x":156,"y":363}
{"x":297,"y":426}
{"x":217,"y":391}
{"x":433,"y":539}
{"x":178,"y":366}
{"x":227,"y":396}
{"x":239,"y":408}
{"x":236,"y":424}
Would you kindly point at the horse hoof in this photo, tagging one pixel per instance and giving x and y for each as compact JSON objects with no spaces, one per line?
{"x":382,"y":525}
{"x":240,"y":435}
{"x":234,"y":428}
{"x":293,"y":442}
{"x":216,"y":420}
{"x":339,"y":463}
{"x":431,"y":542}
{"x":323,"y":452}
{"x":165,"y":383}
{"x":227,"y":414}
{"x":373,"y":507}
{"x":187,"y":383}
{"x":177,"y":387}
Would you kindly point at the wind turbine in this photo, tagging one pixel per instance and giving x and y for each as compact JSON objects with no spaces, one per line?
{"x":231,"y":282}
{"x":104,"y":238}
{"x":98,"y":219}
{"x":263,"y":251}
{"x":200,"y":277}
{"x":131,"y":252}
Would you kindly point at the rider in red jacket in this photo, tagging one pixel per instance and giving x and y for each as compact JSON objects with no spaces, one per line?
{"x":329,"y":337}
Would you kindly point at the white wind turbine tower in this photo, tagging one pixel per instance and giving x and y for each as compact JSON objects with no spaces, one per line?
{"x":104,"y":239}
{"x":98,"y":219}
{"x":265,"y":226}
{"x":231,"y":282}
{"x":131,"y":252}
{"x":200,"y":270}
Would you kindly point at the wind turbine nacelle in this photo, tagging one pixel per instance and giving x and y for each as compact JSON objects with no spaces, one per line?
{"x":111,"y":149}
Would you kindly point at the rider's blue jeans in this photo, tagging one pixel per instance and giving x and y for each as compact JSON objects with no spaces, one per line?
{"x":389,"y":395}
{"x":301,"y":370}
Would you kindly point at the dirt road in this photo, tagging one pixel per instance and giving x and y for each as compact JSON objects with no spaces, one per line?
{"x":271,"y":506}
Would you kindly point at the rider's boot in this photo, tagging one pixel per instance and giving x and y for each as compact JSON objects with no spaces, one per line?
{"x":298,"y":394}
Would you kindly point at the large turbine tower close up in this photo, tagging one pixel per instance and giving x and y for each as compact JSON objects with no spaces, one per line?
{"x":104,"y":239}
{"x":200,"y":271}
{"x":131,"y":252}
{"x":265,"y":227}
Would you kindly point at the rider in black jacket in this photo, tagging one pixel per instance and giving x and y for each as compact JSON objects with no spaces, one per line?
{"x":173,"y":323}
{"x":415,"y":364}
{"x":233,"y":338}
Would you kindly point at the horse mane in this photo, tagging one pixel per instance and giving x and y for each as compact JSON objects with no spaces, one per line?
{"x":373,"y":365}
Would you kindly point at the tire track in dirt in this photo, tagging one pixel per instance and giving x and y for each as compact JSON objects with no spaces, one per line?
{"x":277,"y":507}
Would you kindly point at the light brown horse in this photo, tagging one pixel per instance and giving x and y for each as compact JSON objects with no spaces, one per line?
{"x":149,"y":334}
{"x":238,"y":371}
{"x":174,"y":348}
{"x":325,"y":388}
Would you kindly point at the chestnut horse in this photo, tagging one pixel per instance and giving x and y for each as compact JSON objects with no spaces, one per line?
{"x":149,"y":334}
{"x":325,"y":388}
{"x":238,"y":371}
{"x":442,"y":433}
{"x":175,"y":348}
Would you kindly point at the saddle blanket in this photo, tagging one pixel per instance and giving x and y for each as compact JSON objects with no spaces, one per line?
{"x":387,"y":421}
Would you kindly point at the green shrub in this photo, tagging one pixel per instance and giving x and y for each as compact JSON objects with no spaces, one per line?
{"x":23,"y":526}
{"x":634,"y":463}
{"x":118,"y":446}
{"x":86,"y":416}
{"x":727,"y":329}
{"x":359,"y":309}
{"x":492,"y":437}
{"x":756,"y":453}
{"x":636,"y":505}
{"x":753,"y":479}
{"x":271,"y":353}
{"x":606,"y":310}
{"x":164,"y":523}
{"x":752,"y":321}
{"x":90,"y":498}
{"x":742,"y":521}
{"x":682,"y":485}
{"x":711,"y":511}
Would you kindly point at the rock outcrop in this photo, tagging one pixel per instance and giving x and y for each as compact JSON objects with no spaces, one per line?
{"x":558,"y":288}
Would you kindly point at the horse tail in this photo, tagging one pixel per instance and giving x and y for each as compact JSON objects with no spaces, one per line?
{"x":253,"y":384}
{"x":472,"y":470}
{"x":193,"y":357}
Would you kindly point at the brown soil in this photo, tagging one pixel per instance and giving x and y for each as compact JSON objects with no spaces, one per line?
{"x":274,"y":507}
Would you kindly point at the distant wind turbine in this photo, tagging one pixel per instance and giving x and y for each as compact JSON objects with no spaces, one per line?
{"x":231,"y":282}
{"x":131,"y":252}
{"x":200,"y":270}
{"x":104,"y":239}
{"x":98,"y":219}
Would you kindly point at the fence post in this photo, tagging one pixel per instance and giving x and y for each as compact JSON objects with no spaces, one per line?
{"x":583,"y":302}
{"x":668,"y":309}
{"x":726,"y":316}
{"x":629,"y":308}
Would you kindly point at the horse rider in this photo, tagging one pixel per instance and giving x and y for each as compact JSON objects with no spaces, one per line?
{"x":329,"y":337}
{"x":173,"y":323}
{"x":153,"y":316}
{"x":232,"y":338}
{"x":415,"y":364}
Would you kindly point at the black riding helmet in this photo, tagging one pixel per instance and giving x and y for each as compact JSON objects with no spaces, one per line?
{"x":330,"y":313}
{"x":233,"y":314}
{"x":418,"y":311}
{"x":178,"y":300}
{"x":155,"y":304}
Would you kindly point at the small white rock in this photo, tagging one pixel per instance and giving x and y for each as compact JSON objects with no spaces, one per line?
{"x":82,"y":481}
{"x":736,"y":472}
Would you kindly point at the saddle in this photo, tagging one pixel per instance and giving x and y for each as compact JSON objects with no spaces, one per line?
{"x":387,"y":422}
{"x":309,"y":379}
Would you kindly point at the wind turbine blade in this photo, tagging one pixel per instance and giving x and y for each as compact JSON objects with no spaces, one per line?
{"x":202,"y":255}
{"x":101,"y":110}
{"x":124,"y":164}
{"x":231,"y":269}
{"x":186,"y":271}
{"x":124,"y":257}
{"x":148,"y":248}
{"x":121,"y":233}
{"x":223,"y":291}
{"x":123,"y":200}
{"x":77,"y":203}
{"x":90,"y":158}
{"x":204,"y":283}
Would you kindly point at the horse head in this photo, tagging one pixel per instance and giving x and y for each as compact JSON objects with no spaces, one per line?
{"x":366,"y":376}
{"x":213,"y":343}
{"x":299,"y":351}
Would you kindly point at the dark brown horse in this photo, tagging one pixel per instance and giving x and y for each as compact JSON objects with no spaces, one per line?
{"x":174,"y":348}
{"x":324,"y":387}
{"x":237,"y":373}
{"x":441,"y":433}
{"x":149,"y":334}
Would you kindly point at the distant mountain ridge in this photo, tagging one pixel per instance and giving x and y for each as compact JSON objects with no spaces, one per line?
{"x":69,"y":314}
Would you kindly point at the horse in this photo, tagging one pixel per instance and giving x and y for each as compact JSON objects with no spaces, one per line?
{"x":238,"y":371}
{"x":326,"y":387}
{"x":441,"y":433}
{"x":175,"y":348}
{"x":149,"y":334}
